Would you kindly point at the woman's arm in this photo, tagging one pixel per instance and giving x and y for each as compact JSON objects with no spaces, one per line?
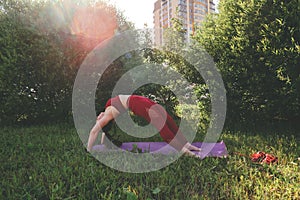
{"x":100,"y":123}
{"x":93,"y":135}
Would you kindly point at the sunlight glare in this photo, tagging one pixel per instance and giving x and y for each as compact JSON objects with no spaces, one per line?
{"x":94,"y":22}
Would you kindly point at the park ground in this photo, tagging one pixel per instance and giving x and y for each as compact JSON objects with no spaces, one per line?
{"x":50,"y":162}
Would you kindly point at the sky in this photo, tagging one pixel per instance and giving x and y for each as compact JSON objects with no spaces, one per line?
{"x":137,"y":11}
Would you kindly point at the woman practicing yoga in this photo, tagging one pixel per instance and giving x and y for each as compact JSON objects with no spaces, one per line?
{"x":151,"y":112}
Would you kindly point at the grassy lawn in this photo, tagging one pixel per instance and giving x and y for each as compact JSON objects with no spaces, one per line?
{"x":49,"y":162}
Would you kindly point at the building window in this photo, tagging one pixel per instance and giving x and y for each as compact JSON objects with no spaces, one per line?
{"x":199,"y":11}
{"x":182,"y":2}
{"x":202,"y":1}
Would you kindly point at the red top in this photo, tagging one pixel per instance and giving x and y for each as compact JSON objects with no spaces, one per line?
{"x":116,"y":102}
{"x":137,"y":104}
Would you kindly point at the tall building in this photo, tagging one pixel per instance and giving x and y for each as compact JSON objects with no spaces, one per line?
{"x":190,"y":12}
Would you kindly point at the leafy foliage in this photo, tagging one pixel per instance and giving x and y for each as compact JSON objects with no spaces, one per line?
{"x":40,"y":57}
{"x":192,"y":86}
{"x":256,"y":46}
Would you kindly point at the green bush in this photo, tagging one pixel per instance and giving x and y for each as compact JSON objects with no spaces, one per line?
{"x":40,"y":57}
{"x":256,"y":46}
{"x":34,"y":84}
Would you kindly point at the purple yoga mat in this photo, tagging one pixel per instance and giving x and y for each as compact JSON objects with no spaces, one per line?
{"x":208,"y":149}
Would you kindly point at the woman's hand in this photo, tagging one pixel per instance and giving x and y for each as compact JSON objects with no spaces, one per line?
{"x":191,"y":147}
{"x":187,"y":152}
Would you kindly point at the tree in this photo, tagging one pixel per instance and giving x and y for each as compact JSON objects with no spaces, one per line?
{"x":40,"y":55}
{"x":256,"y":46}
{"x":173,"y":58}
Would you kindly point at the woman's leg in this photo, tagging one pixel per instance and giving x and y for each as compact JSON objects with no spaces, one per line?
{"x":157,"y":116}
{"x":169,"y":129}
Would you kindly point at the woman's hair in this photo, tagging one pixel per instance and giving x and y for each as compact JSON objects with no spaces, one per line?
{"x":106,"y":129}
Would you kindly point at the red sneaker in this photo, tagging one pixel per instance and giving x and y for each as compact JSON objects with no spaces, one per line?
{"x":258,"y":157}
{"x":270,"y":159}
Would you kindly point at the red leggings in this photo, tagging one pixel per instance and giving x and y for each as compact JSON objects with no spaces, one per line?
{"x":140,"y":106}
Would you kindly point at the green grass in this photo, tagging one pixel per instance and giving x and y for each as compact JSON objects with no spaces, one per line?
{"x":49,"y":162}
